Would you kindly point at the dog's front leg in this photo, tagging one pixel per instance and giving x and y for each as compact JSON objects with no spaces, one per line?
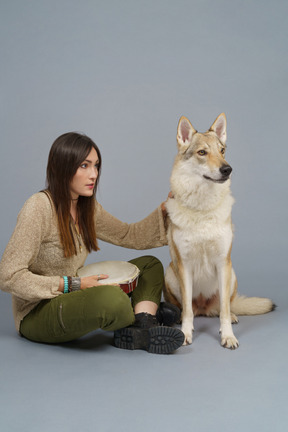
{"x":228,"y":340}
{"x":186,"y":287}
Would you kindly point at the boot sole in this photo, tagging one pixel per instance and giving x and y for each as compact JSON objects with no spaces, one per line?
{"x":157,"y":340}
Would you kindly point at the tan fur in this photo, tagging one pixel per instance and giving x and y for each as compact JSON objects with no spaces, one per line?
{"x":200,"y":279}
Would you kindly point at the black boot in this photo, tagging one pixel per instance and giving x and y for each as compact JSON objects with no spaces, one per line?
{"x":168,"y":314}
{"x":147,"y":334}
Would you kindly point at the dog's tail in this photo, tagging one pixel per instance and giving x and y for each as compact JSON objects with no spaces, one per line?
{"x":242,"y":305}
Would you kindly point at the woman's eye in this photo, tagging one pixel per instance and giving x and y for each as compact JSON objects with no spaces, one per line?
{"x":202,"y":152}
{"x":84,"y":165}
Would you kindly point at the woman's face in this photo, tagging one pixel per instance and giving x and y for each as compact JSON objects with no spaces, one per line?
{"x":83,"y":182}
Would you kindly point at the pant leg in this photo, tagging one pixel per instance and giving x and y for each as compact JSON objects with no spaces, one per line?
{"x":151,"y":280}
{"x":70,"y":316}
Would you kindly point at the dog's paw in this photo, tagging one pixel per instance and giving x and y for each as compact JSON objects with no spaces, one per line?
{"x":188,"y":333}
{"x":234,"y":318}
{"x":229,"y":342}
{"x":188,"y":339}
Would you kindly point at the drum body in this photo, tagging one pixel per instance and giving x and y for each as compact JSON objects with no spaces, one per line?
{"x":123,"y":273}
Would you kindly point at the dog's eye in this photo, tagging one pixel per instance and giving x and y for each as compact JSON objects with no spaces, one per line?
{"x":202,"y":152}
{"x":223,"y":150}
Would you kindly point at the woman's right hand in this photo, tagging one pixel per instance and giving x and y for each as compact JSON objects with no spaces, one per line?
{"x":88,"y":282}
{"x":91,"y":281}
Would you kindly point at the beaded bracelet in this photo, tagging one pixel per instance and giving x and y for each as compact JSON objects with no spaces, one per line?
{"x":66,"y":287}
{"x":69,"y":283}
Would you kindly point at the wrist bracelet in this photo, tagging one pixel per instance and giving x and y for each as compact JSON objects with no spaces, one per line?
{"x":66,"y":288}
{"x":75,"y":284}
{"x":69,"y":283}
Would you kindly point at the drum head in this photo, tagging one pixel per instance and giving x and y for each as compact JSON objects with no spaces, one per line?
{"x":118,"y":271}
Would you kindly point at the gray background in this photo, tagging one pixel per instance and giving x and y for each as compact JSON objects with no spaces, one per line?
{"x":124,"y":72}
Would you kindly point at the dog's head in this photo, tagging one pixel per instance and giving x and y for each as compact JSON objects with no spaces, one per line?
{"x":204,"y":153}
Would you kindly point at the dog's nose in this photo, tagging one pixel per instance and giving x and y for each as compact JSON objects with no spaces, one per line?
{"x":226,"y":170}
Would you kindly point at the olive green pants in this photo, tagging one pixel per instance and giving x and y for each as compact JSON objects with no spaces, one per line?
{"x":70,"y":316}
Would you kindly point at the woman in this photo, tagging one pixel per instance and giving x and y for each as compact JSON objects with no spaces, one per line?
{"x":55,"y":231}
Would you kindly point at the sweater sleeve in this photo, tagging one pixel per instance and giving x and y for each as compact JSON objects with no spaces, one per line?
{"x":146,"y":234}
{"x":16,"y":277}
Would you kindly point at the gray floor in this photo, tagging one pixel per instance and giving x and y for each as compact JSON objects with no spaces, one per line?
{"x":90,"y":385}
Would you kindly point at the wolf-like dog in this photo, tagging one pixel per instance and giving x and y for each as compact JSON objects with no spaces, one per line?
{"x":200,"y":279}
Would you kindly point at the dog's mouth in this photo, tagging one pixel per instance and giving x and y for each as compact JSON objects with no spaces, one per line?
{"x":221,"y":180}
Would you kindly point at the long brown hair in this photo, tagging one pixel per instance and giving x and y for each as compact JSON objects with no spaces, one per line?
{"x":66,"y":155}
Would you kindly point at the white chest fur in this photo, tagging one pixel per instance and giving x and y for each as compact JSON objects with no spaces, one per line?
{"x":203,"y":239}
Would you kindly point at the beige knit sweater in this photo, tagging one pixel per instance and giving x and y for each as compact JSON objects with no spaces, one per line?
{"x":33,"y":261}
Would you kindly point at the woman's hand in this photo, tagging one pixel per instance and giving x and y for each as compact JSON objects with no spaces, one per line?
{"x":163,"y":205}
{"x":86,"y":282}
{"x":91,"y":281}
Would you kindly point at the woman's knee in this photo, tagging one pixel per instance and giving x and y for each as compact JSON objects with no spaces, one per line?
{"x":147,"y":261}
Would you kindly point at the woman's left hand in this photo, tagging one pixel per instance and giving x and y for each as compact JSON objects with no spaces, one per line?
{"x":163,"y":205}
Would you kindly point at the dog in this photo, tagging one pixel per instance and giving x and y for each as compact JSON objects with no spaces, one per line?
{"x":200,"y":279}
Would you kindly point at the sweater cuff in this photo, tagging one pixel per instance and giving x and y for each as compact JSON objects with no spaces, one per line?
{"x":162,"y":227}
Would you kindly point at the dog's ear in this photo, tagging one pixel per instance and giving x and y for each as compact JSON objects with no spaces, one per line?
{"x":219,"y":127}
{"x":185,"y":132}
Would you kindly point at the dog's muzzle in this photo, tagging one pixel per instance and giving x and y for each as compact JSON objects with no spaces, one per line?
{"x":225,"y":171}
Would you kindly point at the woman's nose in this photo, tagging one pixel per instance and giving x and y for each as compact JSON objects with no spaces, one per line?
{"x":93,"y":173}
